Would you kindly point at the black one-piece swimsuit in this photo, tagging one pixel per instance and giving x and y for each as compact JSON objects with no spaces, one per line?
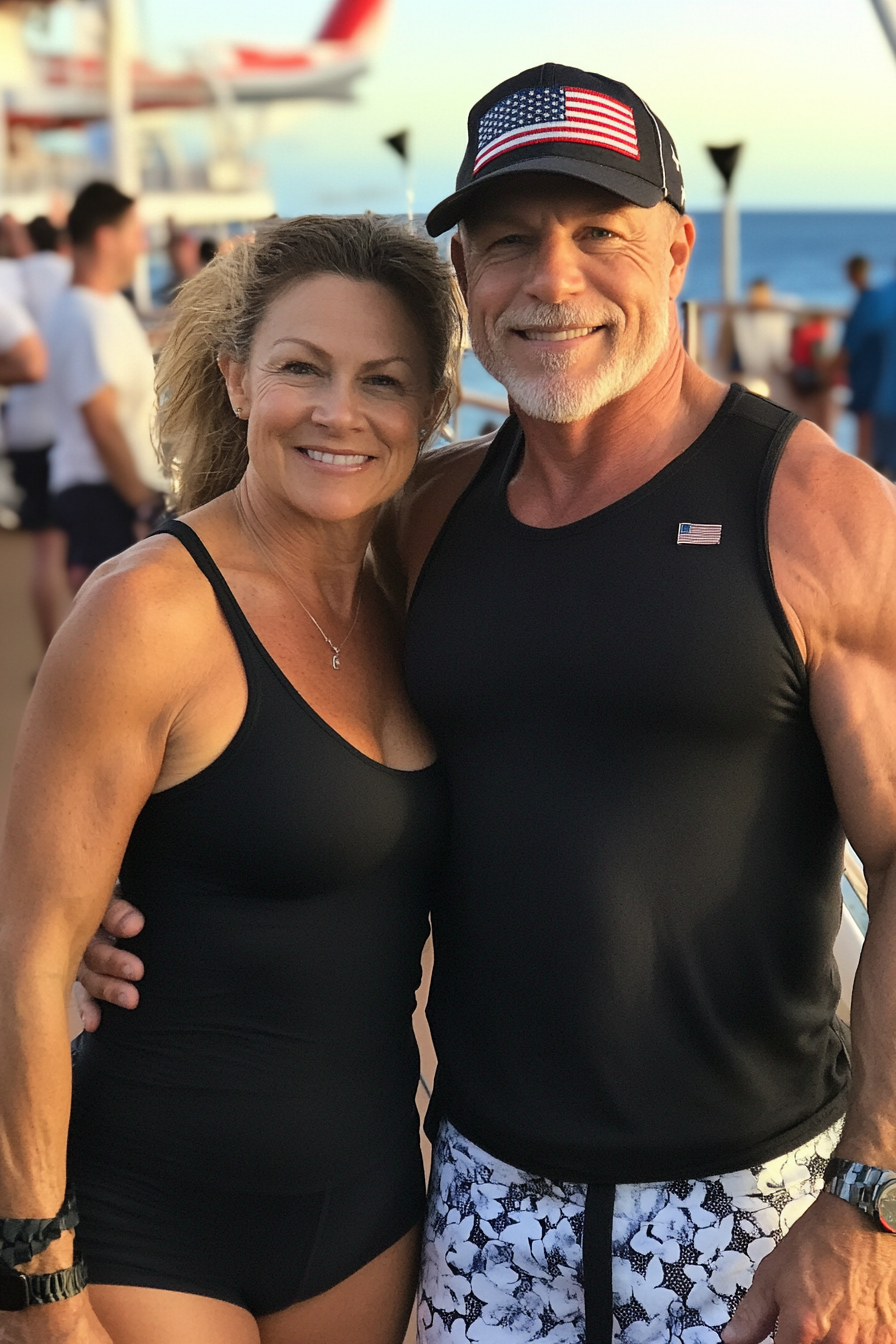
{"x":250,"y":1132}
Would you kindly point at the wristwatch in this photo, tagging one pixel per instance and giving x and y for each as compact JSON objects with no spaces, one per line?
{"x":18,"y":1291}
{"x":872,"y":1190}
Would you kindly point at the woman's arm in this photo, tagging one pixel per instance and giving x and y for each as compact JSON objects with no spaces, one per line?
{"x":90,"y":751}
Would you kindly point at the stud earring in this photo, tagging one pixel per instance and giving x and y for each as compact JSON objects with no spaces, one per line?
{"x":238,"y":411}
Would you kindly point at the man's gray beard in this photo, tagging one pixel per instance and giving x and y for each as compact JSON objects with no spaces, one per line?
{"x":559,"y":395}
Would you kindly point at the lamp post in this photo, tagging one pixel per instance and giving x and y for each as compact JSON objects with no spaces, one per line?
{"x":725,"y":159}
{"x":399,"y":142}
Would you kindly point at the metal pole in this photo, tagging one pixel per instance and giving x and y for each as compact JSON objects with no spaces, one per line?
{"x":120,"y":92}
{"x":692,"y":329}
{"x":730,"y":248}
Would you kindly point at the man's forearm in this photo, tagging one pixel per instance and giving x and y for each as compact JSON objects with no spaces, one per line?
{"x":869,"y":1133}
{"x":112,"y":447}
{"x":115,"y":456}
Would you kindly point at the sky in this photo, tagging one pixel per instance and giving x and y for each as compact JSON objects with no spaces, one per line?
{"x":808,"y":85}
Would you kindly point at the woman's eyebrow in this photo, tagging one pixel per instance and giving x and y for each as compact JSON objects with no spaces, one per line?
{"x":300,"y":340}
{"x":325,"y":354}
{"x":389,"y":359}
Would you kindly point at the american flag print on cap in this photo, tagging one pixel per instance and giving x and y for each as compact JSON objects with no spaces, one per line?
{"x":556,"y":112}
{"x":699,"y":534}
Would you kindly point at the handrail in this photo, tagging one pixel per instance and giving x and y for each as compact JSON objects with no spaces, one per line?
{"x":855,"y":873}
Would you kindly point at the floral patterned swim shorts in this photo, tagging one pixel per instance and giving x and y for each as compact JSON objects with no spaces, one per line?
{"x":502,"y":1252}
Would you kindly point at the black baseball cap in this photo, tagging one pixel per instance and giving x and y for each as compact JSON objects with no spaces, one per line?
{"x":557,"y":119}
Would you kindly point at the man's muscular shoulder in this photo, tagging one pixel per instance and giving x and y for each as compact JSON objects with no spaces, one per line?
{"x":413,"y":520}
{"x":832,"y":536}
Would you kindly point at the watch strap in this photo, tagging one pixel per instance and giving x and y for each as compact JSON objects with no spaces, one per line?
{"x":19,"y":1291}
{"x":856,"y":1182}
{"x":21,"y":1239}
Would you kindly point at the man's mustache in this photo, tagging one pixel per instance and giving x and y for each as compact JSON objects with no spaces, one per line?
{"x":554,"y":316}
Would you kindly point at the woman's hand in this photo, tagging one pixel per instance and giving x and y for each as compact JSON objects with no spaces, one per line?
{"x":107,"y":972}
{"x":69,"y":1322}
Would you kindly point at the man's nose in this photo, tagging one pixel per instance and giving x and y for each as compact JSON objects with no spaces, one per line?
{"x":556,"y":274}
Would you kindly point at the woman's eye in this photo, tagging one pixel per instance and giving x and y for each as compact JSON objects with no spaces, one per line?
{"x":298,"y":366}
{"x":383,"y":380}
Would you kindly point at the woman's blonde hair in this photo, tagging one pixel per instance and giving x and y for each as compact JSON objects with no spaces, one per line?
{"x":202,"y":445}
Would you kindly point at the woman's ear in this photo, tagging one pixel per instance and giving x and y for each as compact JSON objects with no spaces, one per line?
{"x":234,"y":376}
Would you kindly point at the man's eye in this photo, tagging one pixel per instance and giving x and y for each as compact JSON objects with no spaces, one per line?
{"x":597,"y":232}
{"x":509,"y":240}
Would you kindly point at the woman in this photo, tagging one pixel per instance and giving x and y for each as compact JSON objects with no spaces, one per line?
{"x":223,"y":719}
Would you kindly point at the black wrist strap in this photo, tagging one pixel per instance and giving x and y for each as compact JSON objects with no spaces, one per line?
{"x":19,"y":1291}
{"x":21,"y":1239}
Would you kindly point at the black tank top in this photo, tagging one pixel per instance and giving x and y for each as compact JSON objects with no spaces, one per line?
{"x":634,"y":977}
{"x":286,"y":889}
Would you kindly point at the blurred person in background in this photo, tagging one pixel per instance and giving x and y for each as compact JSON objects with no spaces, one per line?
{"x":30,"y":427}
{"x":861,"y":353}
{"x":184,"y":259}
{"x":104,"y":475}
{"x":881,"y":322}
{"x":761,"y":339}
{"x":22,"y":355}
{"x":811,"y":371}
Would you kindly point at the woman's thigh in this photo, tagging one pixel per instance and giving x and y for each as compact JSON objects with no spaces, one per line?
{"x":372,"y":1306}
{"x":157,"y":1315}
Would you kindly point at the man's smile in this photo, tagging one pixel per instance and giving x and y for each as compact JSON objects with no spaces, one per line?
{"x":554,"y":333}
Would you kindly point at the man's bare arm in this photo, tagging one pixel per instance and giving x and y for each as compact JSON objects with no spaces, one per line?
{"x":101,"y":418}
{"x":24,"y":362}
{"x":833,"y":539}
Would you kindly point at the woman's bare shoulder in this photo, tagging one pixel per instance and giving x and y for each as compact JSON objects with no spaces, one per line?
{"x":147,"y":617}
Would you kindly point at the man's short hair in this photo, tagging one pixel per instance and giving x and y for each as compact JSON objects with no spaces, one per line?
{"x":97,"y":204}
{"x":857,"y":265}
{"x":44,"y":235}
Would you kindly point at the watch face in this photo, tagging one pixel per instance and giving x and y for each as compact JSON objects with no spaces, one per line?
{"x":886,"y":1206}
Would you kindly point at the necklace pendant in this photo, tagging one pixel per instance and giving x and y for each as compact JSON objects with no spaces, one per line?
{"x":335,"y":662}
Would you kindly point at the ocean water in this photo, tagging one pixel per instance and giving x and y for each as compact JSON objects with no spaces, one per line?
{"x":800,"y":252}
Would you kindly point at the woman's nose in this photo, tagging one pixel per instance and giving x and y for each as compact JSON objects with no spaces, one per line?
{"x":336,"y":408}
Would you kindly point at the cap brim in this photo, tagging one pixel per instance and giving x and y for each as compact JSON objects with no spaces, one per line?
{"x":449,"y":212}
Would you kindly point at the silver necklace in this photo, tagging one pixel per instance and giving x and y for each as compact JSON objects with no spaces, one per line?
{"x":293,"y":594}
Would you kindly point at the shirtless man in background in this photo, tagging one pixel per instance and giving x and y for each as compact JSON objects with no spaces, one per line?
{"x":653,"y":630}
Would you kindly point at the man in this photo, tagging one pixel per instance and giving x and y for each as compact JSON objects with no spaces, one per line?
{"x":22,"y":355}
{"x":861,"y":353}
{"x":30,"y":428}
{"x":883,"y":404}
{"x":618,"y":609}
{"x":103,"y":471}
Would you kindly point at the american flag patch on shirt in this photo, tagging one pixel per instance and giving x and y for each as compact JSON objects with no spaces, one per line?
{"x":552,"y":112}
{"x":699,"y":534}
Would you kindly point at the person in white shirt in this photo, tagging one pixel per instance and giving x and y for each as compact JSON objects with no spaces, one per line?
{"x":22,"y":355}
{"x":103,"y":471}
{"x":30,"y":427}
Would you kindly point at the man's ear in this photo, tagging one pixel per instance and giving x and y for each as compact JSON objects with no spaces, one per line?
{"x":459,"y":263}
{"x":234,"y":376}
{"x":680,"y":248}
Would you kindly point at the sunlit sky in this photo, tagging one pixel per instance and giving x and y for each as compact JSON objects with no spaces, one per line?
{"x":809,"y":85}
